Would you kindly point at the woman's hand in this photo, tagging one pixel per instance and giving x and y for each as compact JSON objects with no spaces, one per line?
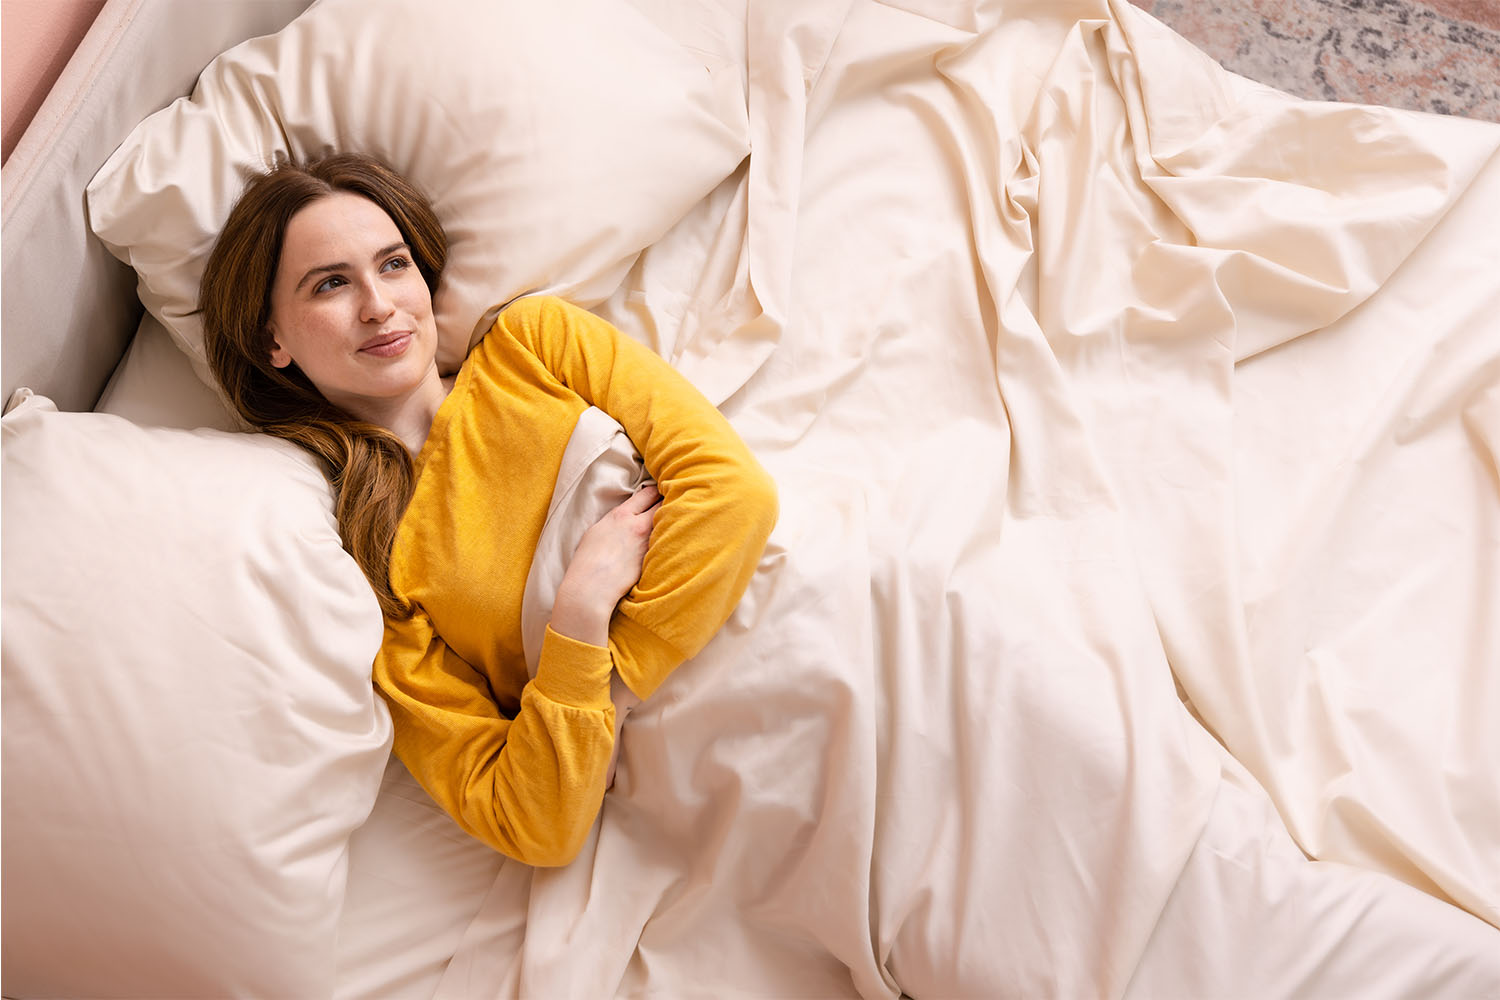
{"x":606,"y":564}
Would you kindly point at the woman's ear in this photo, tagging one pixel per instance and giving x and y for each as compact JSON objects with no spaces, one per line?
{"x":280,"y":358}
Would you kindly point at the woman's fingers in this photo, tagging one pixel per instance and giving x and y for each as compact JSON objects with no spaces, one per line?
{"x":642,"y":499}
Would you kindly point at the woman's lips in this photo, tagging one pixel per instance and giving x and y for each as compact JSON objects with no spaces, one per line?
{"x":388,"y":347}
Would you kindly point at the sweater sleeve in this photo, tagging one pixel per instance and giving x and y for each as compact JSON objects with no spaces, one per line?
{"x":718,"y":504}
{"x":529,"y":787}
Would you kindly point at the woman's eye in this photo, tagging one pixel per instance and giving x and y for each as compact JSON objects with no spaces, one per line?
{"x":397,"y":263}
{"x":328,"y":284}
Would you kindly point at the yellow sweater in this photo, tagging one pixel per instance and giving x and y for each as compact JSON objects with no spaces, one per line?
{"x":522,"y":765}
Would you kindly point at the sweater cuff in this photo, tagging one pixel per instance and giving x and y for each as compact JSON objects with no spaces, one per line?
{"x":573,"y":673}
{"x":643,"y":658}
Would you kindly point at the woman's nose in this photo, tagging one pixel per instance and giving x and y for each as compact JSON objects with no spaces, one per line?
{"x":375,"y":305}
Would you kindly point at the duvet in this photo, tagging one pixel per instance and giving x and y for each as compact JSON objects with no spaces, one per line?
{"x":1130,"y":626}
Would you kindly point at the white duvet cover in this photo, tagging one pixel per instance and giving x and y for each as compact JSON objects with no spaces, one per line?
{"x":1136,"y":433}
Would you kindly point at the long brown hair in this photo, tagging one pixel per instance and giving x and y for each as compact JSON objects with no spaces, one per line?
{"x":368,"y":466}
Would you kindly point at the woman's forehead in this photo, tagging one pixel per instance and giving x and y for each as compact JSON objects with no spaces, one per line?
{"x":338,"y":223}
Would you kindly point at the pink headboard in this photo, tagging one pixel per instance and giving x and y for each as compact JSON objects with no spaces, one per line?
{"x":39,"y":37}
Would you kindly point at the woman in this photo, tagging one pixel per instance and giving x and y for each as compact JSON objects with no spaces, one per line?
{"x":317,"y":310}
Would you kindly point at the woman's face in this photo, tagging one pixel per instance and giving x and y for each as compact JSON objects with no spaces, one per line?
{"x":349,"y":306}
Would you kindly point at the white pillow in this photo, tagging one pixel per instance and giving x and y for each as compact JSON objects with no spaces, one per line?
{"x":556,"y":140}
{"x":154,"y":386}
{"x":190,"y":735}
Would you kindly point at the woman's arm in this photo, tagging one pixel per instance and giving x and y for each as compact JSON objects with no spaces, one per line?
{"x":529,"y":787}
{"x":718,"y":504}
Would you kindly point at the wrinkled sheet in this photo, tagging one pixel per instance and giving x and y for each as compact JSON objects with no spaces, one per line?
{"x":1130,"y":626}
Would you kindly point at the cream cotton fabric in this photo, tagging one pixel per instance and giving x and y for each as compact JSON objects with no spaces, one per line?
{"x":555,"y":141}
{"x":1129,"y":625}
{"x":1055,"y":336}
{"x":190,"y":734}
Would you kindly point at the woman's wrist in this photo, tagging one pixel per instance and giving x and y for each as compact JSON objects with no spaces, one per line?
{"x":580,"y":620}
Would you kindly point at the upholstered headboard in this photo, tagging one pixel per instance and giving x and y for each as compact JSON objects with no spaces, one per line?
{"x":69,"y":307}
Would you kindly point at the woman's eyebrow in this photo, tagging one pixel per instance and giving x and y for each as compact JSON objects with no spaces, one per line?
{"x":341,"y":266}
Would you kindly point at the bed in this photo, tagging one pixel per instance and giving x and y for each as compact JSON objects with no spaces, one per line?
{"x":1130,"y":626}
